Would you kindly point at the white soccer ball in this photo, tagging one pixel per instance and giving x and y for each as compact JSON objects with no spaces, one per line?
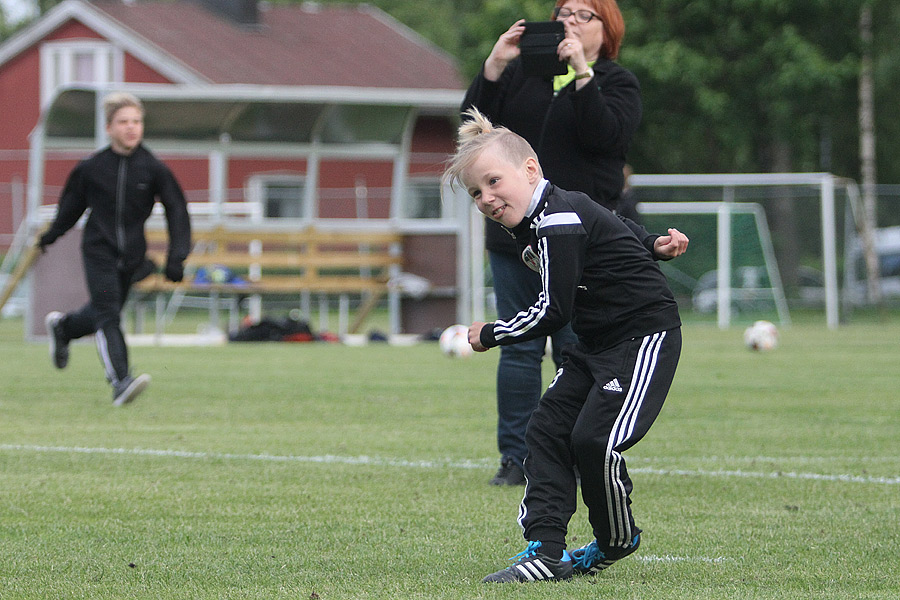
{"x":454,"y":341}
{"x":761,"y":336}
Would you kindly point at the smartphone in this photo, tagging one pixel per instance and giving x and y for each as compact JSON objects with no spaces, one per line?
{"x":538,"y":45}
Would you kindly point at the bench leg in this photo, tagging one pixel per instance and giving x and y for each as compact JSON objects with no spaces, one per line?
{"x":365,"y":308}
{"x":323,"y":312}
{"x":254,"y":308}
{"x":306,"y":304}
{"x":343,"y":313}
{"x":234,"y":315}
{"x":160,"y":315}
{"x":139,"y":313}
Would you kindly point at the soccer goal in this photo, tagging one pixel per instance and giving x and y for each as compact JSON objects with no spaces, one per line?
{"x":731,"y":268}
{"x":745,"y":276}
{"x":744,"y":259}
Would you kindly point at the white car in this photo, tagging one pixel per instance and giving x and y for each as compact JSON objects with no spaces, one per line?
{"x":751,"y":290}
{"x":887,"y":247}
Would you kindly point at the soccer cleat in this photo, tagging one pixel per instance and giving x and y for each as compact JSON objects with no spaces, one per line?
{"x":531,"y":565}
{"x":59,"y":343}
{"x":509,"y":473}
{"x":126,"y":390}
{"x":590,"y":560}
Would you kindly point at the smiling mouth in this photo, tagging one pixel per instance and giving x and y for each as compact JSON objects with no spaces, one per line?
{"x":497,"y":212}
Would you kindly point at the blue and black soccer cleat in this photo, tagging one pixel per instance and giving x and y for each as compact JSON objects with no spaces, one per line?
{"x":590,"y":560}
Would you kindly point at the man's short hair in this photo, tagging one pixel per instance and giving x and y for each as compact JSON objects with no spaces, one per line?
{"x":117,"y":100}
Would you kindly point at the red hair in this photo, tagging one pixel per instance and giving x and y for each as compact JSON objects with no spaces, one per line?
{"x":613,"y":25}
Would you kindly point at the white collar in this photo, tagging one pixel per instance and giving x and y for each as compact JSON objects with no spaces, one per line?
{"x":536,"y":197}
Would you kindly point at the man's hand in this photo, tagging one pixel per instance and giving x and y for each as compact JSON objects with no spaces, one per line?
{"x":174,"y":271}
{"x":45,"y":240}
{"x":669,"y":246}
{"x":475,"y":336}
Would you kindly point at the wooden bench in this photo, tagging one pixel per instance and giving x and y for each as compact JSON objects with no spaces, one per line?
{"x":285,"y":263}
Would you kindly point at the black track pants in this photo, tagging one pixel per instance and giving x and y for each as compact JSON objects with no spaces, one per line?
{"x":108,"y":288}
{"x":599,"y":405}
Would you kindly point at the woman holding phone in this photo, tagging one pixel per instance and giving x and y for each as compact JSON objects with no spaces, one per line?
{"x":581,"y":125}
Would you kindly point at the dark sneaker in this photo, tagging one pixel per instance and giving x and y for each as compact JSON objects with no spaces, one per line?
{"x":590,"y":560}
{"x":59,"y":343}
{"x":509,"y":473}
{"x":128,"y":389}
{"x":531,"y":565}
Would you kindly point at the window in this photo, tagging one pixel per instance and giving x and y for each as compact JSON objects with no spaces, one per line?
{"x":78,"y":61}
{"x":423,"y":200}
{"x":281,"y":196}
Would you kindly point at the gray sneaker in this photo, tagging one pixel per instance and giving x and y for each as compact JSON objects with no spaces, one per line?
{"x":128,"y":389}
{"x":59,"y":343}
{"x":509,"y":473}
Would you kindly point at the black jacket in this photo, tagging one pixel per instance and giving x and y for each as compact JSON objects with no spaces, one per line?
{"x":581,"y":137}
{"x":120,"y":192}
{"x":595,"y":272}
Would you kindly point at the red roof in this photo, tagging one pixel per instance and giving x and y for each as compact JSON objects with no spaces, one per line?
{"x":303,"y":45}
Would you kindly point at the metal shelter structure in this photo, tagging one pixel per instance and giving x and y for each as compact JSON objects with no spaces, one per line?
{"x":221,"y":122}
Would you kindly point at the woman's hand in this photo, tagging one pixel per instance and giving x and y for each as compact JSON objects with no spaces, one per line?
{"x":506,"y":49}
{"x":571,"y":51}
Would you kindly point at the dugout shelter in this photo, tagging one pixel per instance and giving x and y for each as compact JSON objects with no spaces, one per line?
{"x":221,"y":123}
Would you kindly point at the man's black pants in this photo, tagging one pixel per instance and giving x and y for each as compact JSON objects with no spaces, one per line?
{"x":108,"y":288}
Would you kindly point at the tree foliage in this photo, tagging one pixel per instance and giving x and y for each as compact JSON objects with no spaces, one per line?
{"x":740,"y":85}
{"x":728,"y":85}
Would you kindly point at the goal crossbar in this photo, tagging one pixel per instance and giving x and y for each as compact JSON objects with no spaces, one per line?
{"x":826,"y":183}
{"x":723,"y":212}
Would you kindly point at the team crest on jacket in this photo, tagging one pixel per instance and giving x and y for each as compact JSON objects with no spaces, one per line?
{"x":530,"y":258}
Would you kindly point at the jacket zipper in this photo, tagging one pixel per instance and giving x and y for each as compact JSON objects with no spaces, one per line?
{"x":544,"y":124}
{"x":120,"y":211}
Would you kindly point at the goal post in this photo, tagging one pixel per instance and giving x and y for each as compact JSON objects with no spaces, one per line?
{"x":724,"y":213}
{"x":733,"y":210}
{"x":728,"y":184}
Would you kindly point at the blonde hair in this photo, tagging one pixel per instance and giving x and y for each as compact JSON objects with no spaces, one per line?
{"x":118,"y":100}
{"x":475,"y":135}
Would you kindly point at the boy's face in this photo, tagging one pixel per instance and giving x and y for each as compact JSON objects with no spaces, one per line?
{"x":126,"y":129}
{"x":502,"y":191}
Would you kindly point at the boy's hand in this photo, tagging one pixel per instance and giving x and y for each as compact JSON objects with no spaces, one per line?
{"x":669,"y":246}
{"x":475,"y":336}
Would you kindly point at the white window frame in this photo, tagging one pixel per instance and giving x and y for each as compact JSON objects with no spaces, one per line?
{"x":109,"y":64}
{"x":447,"y":209}
{"x":256,"y":192}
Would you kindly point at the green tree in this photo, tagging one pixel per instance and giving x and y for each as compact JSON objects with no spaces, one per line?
{"x":740,"y":85}
{"x":886,"y":71}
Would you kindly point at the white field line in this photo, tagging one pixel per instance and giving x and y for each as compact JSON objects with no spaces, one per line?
{"x":757,"y":459}
{"x":434,"y":464}
{"x":668,"y":558}
{"x":769,"y":475}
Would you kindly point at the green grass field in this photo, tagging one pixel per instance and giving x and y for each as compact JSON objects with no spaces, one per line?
{"x":322,"y":471}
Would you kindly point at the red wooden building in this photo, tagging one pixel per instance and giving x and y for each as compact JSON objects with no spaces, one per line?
{"x":310,"y":113}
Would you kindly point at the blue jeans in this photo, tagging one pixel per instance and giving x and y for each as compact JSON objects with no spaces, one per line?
{"x":519,"y":385}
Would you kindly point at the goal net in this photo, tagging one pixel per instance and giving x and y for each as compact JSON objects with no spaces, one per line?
{"x":762,"y":245}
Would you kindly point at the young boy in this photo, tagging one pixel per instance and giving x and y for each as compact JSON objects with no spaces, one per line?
{"x":119,"y":185}
{"x":598,"y":271}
